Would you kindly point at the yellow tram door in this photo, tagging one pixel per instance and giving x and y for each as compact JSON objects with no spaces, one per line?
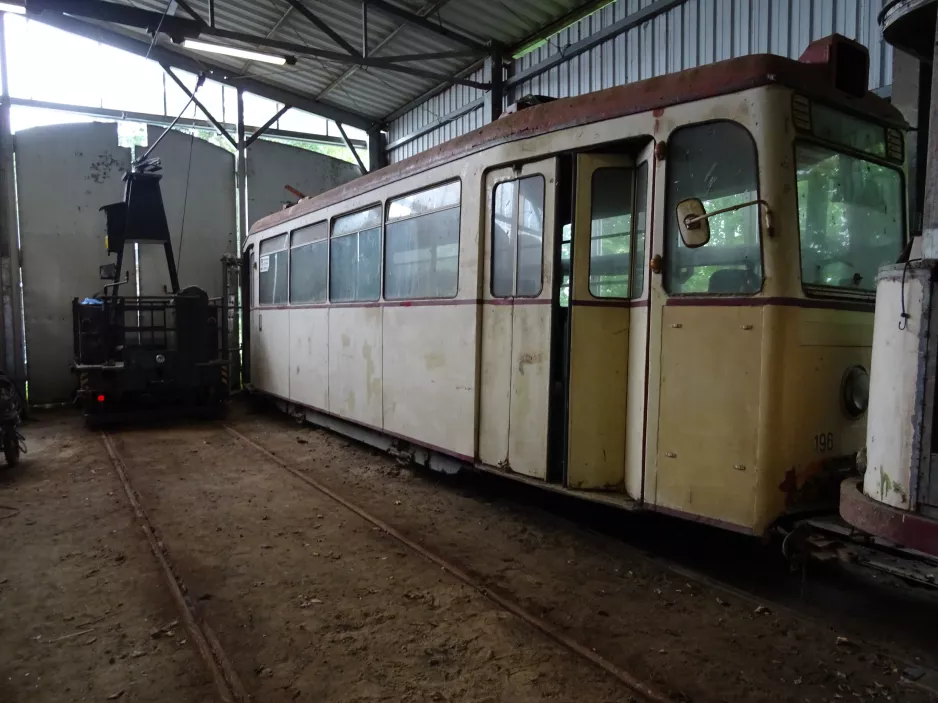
{"x":608,"y":321}
{"x":707,"y":323}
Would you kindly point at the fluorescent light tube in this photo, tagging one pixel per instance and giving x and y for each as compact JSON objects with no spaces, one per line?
{"x":232,"y":51}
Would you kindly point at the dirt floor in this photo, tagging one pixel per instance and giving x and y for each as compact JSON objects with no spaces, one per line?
{"x":313,"y":603}
{"x":84,"y":613}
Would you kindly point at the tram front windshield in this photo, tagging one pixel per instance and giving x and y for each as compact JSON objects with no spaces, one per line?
{"x":850,"y":212}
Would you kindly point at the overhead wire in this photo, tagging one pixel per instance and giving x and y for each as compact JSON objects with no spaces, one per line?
{"x":185,"y":202}
{"x":158,"y":28}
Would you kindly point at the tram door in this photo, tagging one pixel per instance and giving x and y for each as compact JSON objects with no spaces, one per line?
{"x":518,"y":255}
{"x":706,"y":360}
{"x":607,"y":322}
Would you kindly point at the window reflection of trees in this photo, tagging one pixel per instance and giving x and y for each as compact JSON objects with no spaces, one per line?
{"x":849,"y":216}
{"x":610,"y":232}
{"x":518,"y":237}
{"x":715,"y":162}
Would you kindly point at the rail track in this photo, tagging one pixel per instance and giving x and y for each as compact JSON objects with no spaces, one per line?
{"x":229,"y":686}
{"x":831,"y":594}
{"x":225,"y":679}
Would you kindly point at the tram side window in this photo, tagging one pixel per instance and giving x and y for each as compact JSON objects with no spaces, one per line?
{"x":421,"y":244}
{"x":610,"y":232}
{"x":518,"y":237}
{"x":639,"y":228}
{"x":309,"y":264}
{"x":272,"y":271}
{"x":355,"y":264}
{"x":715,"y":162}
{"x":617,"y":232}
{"x":566,"y":234}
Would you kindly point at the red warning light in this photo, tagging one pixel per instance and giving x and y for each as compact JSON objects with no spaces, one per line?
{"x":100,"y":398}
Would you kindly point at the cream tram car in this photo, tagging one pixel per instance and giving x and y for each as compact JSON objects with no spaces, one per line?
{"x":658,"y":295}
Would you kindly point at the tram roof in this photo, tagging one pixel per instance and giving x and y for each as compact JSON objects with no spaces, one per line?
{"x":813,"y":75}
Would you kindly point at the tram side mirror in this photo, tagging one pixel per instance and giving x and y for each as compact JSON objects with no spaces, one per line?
{"x":108,"y":272}
{"x":692,"y":219}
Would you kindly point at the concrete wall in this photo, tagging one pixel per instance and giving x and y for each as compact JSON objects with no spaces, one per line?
{"x":198,"y":189}
{"x":271,"y":166}
{"x":65,"y":173}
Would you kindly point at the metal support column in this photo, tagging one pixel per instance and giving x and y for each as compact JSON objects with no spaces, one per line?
{"x":494,"y":72}
{"x":377,"y":149}
{"x":920,"y":140}
{"x":926,"y":492}
{"x":364,"y":27}
{"x":243,"y":230}
{"x":243,"y":227}
{"x":930,"y":209}
{"x":11,"y":312}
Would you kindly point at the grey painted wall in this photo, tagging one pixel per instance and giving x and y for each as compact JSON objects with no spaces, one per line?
{"x":65,"y":173}
{"x":271,"y":166}
{"x":198,"y":189}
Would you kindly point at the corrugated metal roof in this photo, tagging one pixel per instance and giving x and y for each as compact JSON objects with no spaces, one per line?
{"x":370,"y":92}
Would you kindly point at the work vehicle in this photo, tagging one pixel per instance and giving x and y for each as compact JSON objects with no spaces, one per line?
{"x":147,"y":355}
{"x":658,"y":296}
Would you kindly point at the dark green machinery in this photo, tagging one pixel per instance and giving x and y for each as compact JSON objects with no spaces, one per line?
{"x":146,"y":355}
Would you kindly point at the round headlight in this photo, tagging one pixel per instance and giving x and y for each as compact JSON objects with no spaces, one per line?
{"x":160,"y":359}
{"x":855,"y":391}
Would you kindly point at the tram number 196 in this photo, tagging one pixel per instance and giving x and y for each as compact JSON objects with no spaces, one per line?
{"x":824,"y":442}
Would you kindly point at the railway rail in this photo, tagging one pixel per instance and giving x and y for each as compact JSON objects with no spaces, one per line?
{"x":223,"y":673}
{"x":227,"y":683}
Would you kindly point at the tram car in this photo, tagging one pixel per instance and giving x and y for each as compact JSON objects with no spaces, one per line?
{"x":896,"y":497}
{"x":656,"y":296}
